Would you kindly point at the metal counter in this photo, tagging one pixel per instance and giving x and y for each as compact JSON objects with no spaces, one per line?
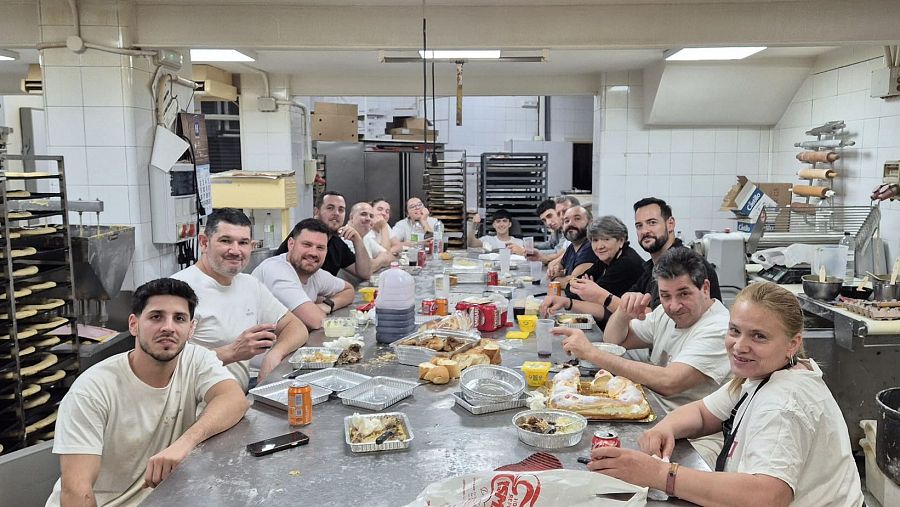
{"x":448,"y":441}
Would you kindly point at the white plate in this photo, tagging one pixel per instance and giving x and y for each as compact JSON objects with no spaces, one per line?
{"x":611,"y":348}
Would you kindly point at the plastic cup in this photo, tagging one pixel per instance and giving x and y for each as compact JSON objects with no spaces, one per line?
{"x":529,"y":245}
{"x":544,"y":338}
{"x":537,"y":268}
{"x":527,"y":323}
{"x":504,"y":260}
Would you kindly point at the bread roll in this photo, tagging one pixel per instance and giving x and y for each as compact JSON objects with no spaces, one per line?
{"x":451,"y":365}
{"x":492,"y":350}
{"x":438,"y":375}
{"x":424,"y":368}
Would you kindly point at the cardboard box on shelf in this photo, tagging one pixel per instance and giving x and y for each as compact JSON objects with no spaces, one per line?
{"x":335,"y":109}
{"x":327,"y":127}
{"x":417,"y":123}
{"x":747,"y":199}
{"x":432,"y":137}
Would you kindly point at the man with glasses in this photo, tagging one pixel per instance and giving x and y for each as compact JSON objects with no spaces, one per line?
{"x":416,"y":213}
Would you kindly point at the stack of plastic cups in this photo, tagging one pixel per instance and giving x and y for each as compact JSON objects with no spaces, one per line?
{"x":395,"y":306}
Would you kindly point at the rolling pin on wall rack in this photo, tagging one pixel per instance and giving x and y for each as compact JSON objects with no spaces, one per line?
{"x":821,"y":154}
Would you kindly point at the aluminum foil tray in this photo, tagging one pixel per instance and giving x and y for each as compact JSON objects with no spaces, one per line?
{"x":300,"y":358}
{"x":378,"y":393}
{"x":276,"y":394}
{"x":484,"y":384}
{"x":560,"y":319}
{"x":390,"y":445}
{"x":334,"y":379}
{"x":519,"y":402}
{"x":412,"y":355}
{"x":551,"y":441}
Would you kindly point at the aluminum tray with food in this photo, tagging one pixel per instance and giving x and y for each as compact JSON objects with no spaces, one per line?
{"x":378,"y":393}
{"x":421,"y":346}
{"x":576,"y":320}
{"x":489,"y":408}
{"x":334,"y":379}
{"x":314,"y":358}
{"x":276,"y":394}
{"x":377,"y":432}
{"x":549,"y":429}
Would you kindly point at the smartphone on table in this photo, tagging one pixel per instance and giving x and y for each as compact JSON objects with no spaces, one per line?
{"x":279,"y":443}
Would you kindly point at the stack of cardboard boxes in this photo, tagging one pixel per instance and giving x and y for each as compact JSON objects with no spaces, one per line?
{"x":746,"y":200}
{"x":412,"y":129}
{"x":335,"y":122}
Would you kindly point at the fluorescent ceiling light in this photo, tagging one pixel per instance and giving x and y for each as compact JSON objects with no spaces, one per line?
{"x":695,"y":54}
{"x":619,"y":88}
{"x":6,"y":55}
{"x":219,"y":55}
{"x":465,"y":54}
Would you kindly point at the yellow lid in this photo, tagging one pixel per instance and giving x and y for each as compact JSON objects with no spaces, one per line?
{"x":536,"y":365}
{"x":517,"y":335}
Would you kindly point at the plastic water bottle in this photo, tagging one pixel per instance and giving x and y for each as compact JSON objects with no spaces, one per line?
{"x":850,"y":243}
{"x":437,"y":241}
{"x":395,"y":309}
{"x":418,"y":233}
{"x":269,"y":232}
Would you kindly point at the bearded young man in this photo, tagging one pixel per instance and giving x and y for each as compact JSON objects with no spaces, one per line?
{"x":578,"y":257}
{"x":129,"y":420}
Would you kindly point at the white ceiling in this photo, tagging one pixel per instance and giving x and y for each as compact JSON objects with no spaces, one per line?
{"x":451,"y":3}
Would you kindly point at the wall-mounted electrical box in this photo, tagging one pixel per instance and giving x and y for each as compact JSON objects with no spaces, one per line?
{"x":885,"y":82}
{"x":173,"y":203}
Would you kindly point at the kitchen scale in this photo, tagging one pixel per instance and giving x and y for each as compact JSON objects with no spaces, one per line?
{"x":784,"y":275}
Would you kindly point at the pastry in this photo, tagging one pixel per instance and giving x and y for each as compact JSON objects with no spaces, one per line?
{"x":26,"y":271}
{"x":50,"y":377}
{"x":18,"y":193}
{"x":48,"y":305}
{"x":598,"y":385}
{"x":17,"y":294}
{"x":53,"y":324}
{"x":43,"y":423}
{"x":37,"y":231}
{"x":36,"y":401}
{"x":31,"y":174}
{"x":12,"y":235}
{"x":24,"y":252}
{"x":15,"y":215}
{"x":41,"y":286}
{"x":23,"y":351}
{"x":622,"y":399}
{"x":25,"y":333}
{"x":28,"y":391}
{"x":48,"y":341}
{"x":46,"y":360}
{"x":21,"y":314}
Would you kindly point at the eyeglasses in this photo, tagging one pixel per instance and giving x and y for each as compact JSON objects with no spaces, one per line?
{"x":416,"y":206}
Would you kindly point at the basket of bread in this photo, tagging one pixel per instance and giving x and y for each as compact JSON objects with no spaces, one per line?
{"x":443,"y":367}
{"x":605,"y":398}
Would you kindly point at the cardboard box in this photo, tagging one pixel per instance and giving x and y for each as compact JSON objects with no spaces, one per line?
{"x":327,"y":127}
{"x":746,"y":200}
{"x":332,"y":108}
{"x":432,"y":136}
{"x":417,"y":123}
{"x":210,"y":73}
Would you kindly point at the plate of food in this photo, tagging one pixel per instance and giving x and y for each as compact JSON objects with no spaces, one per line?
{"x":549,"y":429}
{"x":313,"y":358}
{"x":575,"y":320}
{"x":377,"y":432}
{"x":605,"y":398}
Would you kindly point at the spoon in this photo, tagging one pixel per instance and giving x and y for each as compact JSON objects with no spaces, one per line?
{"x":875,"y":276}
{"x":862,"y":283}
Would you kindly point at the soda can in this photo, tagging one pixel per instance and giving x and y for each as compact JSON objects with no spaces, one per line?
{"x":429,"y":307}
{"x":554,"y":289}
{"x":605,"y":438}
{"x":422,"y":257}
{"x":299,"y":404}
{"x":441,"y":306}
{"x":493,"y":278}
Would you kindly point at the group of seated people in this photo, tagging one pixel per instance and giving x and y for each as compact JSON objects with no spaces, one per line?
{"x":210,"y":332}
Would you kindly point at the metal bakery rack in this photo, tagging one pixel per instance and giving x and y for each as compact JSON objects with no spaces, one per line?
{"x":516,"y":182}
{"x":38,"y":339}
{"x":445,"y":190}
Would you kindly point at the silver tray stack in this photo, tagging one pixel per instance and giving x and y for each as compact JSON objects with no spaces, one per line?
{"x":389,"y":445}
{"x":488,"y":384}
{"x":476,"y":409}
{"x":334,"y":379}
{"x":276,"y":394}
{"x":378,"y":393}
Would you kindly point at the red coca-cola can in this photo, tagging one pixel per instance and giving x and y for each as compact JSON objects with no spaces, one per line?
{"x":493,"y":278}
{"x":429,"y":307}
{"x":605,"y":438}
{"x":422,"y":257}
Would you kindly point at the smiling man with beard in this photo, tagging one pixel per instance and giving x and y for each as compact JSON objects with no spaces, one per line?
{"x":578,"y":257}
{"x":297,"y":280}
{"x":130,"y":419}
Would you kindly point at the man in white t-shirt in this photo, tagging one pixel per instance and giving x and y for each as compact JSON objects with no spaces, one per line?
{"x":361,"y":218}
{"x":416,"y":213}
{"x":237,"y":317}
{"x":129,"y":420}
{"x":381,"y":225}
{"x":686,"y":335}
{"x":296,"y":277}
{"x":502,"y":222}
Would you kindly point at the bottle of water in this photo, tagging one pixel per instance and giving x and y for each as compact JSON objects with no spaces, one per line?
{"x":418,"y":233}
{"x":269,"y":232}
{"x":437,"y":241}
{"x":850,"y":243}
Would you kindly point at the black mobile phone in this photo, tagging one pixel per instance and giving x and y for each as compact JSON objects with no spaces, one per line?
{"x":270,"y":445}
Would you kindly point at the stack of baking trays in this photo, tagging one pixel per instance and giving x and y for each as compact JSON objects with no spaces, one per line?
{"x":445,"y":190}
{"x":517,"y":183}
{"x":38,"y":339}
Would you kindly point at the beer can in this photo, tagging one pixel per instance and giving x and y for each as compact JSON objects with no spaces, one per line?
{"x":493,"y":278}
{"x":605,"y":438}
{"x":299,"y":404}
{"x":422,"y":257}
{"x":429,"y":307}
{"x":554,"y":289}
{"x":442,"y":305}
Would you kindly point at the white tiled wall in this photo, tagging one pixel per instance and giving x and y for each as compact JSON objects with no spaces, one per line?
{"x":842,"y":93}
{"x":571,"y":118}
{"x":690,"y":168}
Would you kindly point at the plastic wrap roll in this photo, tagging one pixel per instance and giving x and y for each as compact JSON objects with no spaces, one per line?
{"x":810,"y":191}
{"x":817,"y":174}
{"x":815,"y":157}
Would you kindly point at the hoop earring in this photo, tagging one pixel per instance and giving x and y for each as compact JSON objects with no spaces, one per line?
{"x":792,"y":360}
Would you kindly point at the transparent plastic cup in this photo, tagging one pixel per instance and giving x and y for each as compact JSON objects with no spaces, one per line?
{"x":529,"y":245}
{"x":544,"y":338}
{"x":536,"y":270}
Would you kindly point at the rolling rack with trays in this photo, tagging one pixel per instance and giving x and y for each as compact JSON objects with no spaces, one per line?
{"x":516,"y":182}
{"x":445,"y":190}
{"x":36,"y":365}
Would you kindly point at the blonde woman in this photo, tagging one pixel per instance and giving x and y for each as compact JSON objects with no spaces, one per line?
{"x":786,"y":442}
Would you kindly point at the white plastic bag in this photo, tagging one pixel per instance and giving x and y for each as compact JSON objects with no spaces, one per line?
{"x":569,"y":488}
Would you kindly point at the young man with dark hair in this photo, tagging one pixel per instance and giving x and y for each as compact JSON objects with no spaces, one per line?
{"x":331,"y":209}
{"x":548,"y":212}
{"x":238,"y":317}
{"x":501,"y":221}
{"x":297,"y":280}
{"x":381,"y":226}
{"x":132,"y":418}
{"x":362,"y":216}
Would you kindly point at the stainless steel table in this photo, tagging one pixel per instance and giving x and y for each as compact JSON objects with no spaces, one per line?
{"x":448,"y":441}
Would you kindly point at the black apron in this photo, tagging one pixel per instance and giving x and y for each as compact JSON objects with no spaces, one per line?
{"x":729,"y":429}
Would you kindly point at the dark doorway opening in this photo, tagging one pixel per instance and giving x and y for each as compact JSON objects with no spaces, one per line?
{"x":582,"y":166}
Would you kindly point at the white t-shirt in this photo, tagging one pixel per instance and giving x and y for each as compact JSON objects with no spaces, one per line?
{"x":280,"y":277}
{"x":793,"y":430}
{"x":373,"y":247}
{"x":496,"y":244}
{"x":111,"y":413}
{"x":403,"y":228}
{"x":225,"y":311}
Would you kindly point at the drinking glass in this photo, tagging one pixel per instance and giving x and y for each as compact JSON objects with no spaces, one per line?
{"x":544,"y":338}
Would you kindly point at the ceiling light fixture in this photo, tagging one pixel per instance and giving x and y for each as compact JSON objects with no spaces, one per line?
{"x":220,"y":55}
{"x":7,"y":55}
{"x":700,"y":54}
{"x":460,"y":54}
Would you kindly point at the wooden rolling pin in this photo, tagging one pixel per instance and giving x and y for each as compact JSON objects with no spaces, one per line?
{"x":817,"y":174}
{"x":812,"y":191}
{"x":815,"y":157}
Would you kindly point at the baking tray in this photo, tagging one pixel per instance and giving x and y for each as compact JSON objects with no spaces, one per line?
{"x":519,"y":402}
{"x":390,"y":445}
{"x":412,"y":355}
{"x":378,"y":393}
{"x":334,"y":379}
{"x":584,"y":384}
{"x":276,"y":394}
{"x":300,"y":364}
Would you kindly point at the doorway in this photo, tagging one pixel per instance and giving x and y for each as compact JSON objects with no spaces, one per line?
{"x":582,"y":166}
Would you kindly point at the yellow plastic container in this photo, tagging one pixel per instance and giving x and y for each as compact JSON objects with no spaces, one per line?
{"x":516,"y":335}
{"x":368,"y":294}
{"x":527,"y":323}
{"x":536,"y":372}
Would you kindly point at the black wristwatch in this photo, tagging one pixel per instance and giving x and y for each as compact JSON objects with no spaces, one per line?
{"x":330,"y":304}
{"x":607,"y":301}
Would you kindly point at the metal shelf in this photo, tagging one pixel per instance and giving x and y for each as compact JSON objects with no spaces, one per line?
{"x":445,"y":190}
{"x":516,"y":182}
